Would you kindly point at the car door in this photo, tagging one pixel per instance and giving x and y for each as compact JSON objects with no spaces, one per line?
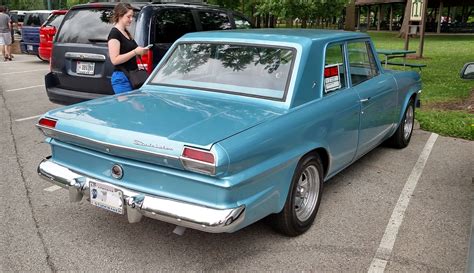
{"x":342,"y":106}
{"x":377,"y":94}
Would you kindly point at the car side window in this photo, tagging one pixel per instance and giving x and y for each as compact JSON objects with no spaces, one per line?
{"x":171,"y":24}
{"x":334,"y":68}
{"x":361,"y":62}
{"x":241,"y":22}
{"x":214,"y":20}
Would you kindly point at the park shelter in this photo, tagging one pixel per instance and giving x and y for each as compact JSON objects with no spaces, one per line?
{"x":442,"y":15}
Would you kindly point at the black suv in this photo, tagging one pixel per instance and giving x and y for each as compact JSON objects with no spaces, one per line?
{"x":80,"y":66}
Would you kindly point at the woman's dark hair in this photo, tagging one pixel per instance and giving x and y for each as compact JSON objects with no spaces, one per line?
{"x":119,"y":11}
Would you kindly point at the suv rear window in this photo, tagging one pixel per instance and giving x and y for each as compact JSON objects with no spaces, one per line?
{"x":54,"y":20}
{"x":35,"y":19}
{"x":85,"y":26}
{"x":214,"y":20}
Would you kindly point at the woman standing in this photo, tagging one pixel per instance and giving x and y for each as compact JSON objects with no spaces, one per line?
{"x":122,"y":48}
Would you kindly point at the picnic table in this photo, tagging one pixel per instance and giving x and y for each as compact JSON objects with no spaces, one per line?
{"x":398,"y":53}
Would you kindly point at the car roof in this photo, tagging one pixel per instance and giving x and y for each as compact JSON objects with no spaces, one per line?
{"x":60,"y":11}
{"x":298,"y":36}
{"x":38,"y":11}
{"x":139,"y":5}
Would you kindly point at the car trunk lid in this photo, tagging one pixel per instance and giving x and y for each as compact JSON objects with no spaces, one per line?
{"x":155,"y":127}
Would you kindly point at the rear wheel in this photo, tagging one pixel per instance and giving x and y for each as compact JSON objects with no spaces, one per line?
{"x":303,"y":198}
{"x":402,"y":136}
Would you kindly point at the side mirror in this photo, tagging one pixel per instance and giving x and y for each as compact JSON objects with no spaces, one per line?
{"x":468,"y":71}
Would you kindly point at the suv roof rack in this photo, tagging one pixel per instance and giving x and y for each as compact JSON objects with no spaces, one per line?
{"x":182,"y":3}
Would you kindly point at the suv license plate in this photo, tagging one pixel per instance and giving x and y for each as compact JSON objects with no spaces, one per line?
{"x":29,"y":47}
{"x":106,"y":197}
{"x":86,"y":68}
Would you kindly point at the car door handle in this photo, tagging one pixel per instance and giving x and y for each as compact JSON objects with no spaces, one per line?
{"x":365,"y":100}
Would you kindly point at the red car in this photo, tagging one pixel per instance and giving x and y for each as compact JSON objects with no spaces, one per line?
{"x":47,"y":32}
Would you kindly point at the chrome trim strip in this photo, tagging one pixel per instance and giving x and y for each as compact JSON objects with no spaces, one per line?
{"x":85,"y":56}
{"x":138,"y":204}
{"x":106,"y":145}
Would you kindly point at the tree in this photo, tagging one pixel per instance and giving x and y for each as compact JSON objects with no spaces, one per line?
{"x":406,"y":20}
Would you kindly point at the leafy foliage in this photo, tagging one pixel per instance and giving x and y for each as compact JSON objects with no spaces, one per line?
{"x":288,"y":10}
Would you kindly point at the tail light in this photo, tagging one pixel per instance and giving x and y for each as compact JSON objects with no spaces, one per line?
{"x":147,"y":63}
{"x":45,"y":125}
{"x":47,"y":34}
{"x":198,"y":160}
{"x":47,"y":122}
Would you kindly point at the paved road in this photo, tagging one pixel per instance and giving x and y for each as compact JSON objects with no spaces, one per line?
{"x":429,"y":231}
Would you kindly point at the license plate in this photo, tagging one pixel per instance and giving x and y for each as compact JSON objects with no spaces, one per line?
{"x":106,"y":197}
{"x":86,"y":68}
{"x":29,"y":47}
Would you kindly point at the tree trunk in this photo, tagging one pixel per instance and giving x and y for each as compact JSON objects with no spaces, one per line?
{"x":406,"y":20}
{"x":350,"y":16}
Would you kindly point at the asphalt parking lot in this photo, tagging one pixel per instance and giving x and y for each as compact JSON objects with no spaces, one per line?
{"x":393,"y":210}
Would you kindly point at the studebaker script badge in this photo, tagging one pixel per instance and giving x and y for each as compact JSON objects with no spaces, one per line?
{"x":160,"y":147}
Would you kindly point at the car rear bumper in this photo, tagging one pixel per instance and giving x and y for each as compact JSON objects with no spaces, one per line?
{"x":29,"y":48}
{"x":65,"y":96}
{"x":138,"y":204}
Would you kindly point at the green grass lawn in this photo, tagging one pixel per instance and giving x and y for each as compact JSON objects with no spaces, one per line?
{"x":445,"y":94}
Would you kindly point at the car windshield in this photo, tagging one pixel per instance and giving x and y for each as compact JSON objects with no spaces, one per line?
{"x":249,"y":70}
{"x":85,"y":26}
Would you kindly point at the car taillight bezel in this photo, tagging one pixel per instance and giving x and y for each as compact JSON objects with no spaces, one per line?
{"x":201,"y":165}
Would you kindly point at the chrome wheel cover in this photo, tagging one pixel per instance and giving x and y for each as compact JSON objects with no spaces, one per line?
{"x":408,"y":123}
{"x":306,"y":193}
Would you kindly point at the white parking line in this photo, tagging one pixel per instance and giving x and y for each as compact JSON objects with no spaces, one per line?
{"x":26,"y":71}
{"x":28,"y":118}
{"x":382,"y":256}
{"x":52,"y":188}
{"x":24,"y":61}
{"x":23,"y":88}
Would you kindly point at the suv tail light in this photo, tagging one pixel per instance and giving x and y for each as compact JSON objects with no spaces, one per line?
{"x":198,"y":160}
{"x":147,"y":61}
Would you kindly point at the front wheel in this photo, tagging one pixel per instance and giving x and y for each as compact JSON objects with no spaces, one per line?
{"x":402,"y":136}
{"x":303,"y":198}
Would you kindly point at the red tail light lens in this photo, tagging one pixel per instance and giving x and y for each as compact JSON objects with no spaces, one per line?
{"x":48,"y":122}
{"x":198,"y":155}
{"x":147,"y":63}
{"x":197,"y":160}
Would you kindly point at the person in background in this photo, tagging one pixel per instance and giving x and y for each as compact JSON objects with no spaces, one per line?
{"x":122,"y":48}
{"x":5,"y":34}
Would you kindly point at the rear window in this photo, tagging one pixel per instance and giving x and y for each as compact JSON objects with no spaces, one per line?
{"x":85,"y":26}
{"x":35,"y":19}
{"x":54,"y":20}
{"x":248,"y":70}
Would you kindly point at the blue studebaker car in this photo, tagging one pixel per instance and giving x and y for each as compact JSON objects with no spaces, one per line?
{"x":232,"y":127}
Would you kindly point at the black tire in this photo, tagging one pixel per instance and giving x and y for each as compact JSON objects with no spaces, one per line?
{"x":293,"y":220}
{"x":401,"y":138}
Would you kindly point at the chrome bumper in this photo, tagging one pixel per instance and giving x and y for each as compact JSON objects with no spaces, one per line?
{"x":138,"y":204}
